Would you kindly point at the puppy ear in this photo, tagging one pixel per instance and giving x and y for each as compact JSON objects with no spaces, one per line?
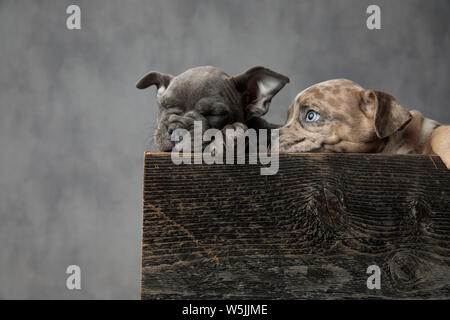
{"x":258,"y":86}
{"x":388,"y":115}
{"x":161,"y":80}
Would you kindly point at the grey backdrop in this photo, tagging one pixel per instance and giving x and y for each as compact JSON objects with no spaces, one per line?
{"x":73,"y":128}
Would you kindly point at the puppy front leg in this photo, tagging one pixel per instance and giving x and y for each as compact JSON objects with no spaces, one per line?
{"x":440,"y":143}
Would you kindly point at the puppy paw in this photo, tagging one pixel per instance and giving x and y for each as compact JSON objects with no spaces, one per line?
{"x":237,"y":126}
{"x":231,"y":134}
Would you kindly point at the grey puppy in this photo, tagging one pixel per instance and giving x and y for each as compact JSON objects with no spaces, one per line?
{"x":211,"y":96}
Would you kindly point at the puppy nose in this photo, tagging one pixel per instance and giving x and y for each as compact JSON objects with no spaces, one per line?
{"x":171,"y":129}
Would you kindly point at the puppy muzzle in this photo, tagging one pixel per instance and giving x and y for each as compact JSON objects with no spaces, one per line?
{"x":165,"y":134}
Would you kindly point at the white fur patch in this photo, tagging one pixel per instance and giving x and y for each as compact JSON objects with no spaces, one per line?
{"x":160,"y":91}
{"x":266,"y":86}
{"x":428,"y":126}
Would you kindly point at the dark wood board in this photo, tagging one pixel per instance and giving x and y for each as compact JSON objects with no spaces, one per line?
{"x":309,"y":231}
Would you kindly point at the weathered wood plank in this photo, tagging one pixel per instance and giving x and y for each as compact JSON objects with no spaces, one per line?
{"x":310,"y":231}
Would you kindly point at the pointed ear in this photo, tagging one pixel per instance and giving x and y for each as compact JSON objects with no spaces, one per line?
{"x":161,"y":80}
{"x":388,"y":115}
{"x":258,"y":86}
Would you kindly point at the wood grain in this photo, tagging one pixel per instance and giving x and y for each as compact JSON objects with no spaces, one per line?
{"x":310,"y":231}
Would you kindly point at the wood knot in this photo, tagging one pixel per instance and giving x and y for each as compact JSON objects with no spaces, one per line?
{"x":416,"y":219}
{"x":333,"y":213}
{"x":407,"y":270}
{"x":419,"y":209}
{"x":319,"y":217}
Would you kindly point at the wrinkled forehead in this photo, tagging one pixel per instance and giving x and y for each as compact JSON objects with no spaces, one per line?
{"x":331,"y":90}
{"x":181,"y":96}
{"x":189,"y":88}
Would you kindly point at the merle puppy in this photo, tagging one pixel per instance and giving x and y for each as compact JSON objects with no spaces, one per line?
{"x":211,"y":96}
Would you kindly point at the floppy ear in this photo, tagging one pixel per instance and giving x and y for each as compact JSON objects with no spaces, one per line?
{"x":258,"y":86}
{"x":388,"y":115}
{"x":161,"y":80}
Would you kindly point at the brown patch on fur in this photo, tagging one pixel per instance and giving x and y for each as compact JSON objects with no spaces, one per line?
{"x":340,"y":100}
{"x":316,"y":93}
{"x":332,"y":102}
{"x":336,"y":91}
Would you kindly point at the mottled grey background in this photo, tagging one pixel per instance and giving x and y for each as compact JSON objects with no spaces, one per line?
{"x":73,"y":128}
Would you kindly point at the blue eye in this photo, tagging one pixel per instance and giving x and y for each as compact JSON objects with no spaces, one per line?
{"x":312,"y":116}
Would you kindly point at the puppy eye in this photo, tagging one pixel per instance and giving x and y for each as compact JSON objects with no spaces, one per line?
{"x":218,"y":113}
{"x":312,"y":116}
{"x":175,"y":110}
